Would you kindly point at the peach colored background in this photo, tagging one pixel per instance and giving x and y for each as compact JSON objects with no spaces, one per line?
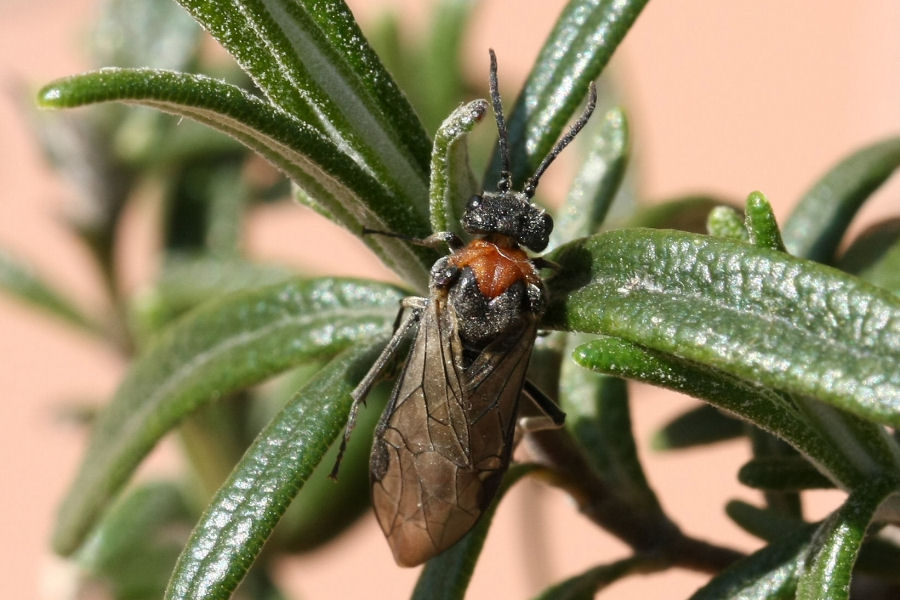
{"x":726,"y":97}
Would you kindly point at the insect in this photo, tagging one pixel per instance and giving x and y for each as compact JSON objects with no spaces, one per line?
{"x":446,"y":435}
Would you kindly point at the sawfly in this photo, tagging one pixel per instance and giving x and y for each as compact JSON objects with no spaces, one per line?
{"x":446,"y":435}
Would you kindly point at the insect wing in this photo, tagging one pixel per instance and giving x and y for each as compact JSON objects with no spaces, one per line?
{"x":445,"y":438}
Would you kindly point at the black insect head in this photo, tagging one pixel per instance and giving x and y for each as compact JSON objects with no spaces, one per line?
{"x":508,"y":212}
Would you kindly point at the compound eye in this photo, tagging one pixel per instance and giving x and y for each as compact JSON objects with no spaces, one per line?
{"x":474,"y":203}
{"x":536,"y":242}
{"x":546,"y":223}
{"x":537,"y":236}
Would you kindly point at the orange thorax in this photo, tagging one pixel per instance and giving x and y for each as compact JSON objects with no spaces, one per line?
{"x":495,"y":267}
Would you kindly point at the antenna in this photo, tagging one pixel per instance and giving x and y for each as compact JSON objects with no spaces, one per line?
{"x":531,"y":182}
{"x":505,"y":182}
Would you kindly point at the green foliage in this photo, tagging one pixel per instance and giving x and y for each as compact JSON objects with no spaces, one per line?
{"x":133,"y":548}
{"x":702,"y":425}
{"x":19,"y":280}
{"x":757,"y":314}
{"x":247,"y":507}
{"x":452,"y":182}
{"x":220,"y":348}
{"x":586,"y":585}
{"x":576,"y":51}
{"x":597,"y":182}
{"x":800,"y":357}
{"x":816,"y":227}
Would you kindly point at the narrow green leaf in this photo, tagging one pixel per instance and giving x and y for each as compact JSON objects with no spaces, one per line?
{"x":765,"y":446}
{"x":397,"y":52}
{"x":878,"y":555}
{"x":599,"y":420}
{"x":875,"y":255}
{"x":335,"y":31}
{"x":19,"y":281}
{"x":311,"y":60}
{"x":353,"y":196}
{"x":725,"y":222}
{"x":815,"y":228}
{"x":705,"y":424}
{"x":218,"y":349}
{"x":82,"y":150}
{"x":324,"y":507}
{"x":782,"y":474}
{"x":586,"y":585}
{"x":597,"y":182}
{"x":135,"y":546}
{"x":197,"y":194}
{"x":188,"y":281}
{"x":768,"y":574}
{"x":150,"y":141}
{"x":432,"y":55}
{"x":440,"y":61}
{"x":837,"y":541}
{"x":762,"y":231}
{"x":765,"y":523}
{"x":141,"y":514}
{"x":303,"y":197}
{"x":575,"y":53}
{"x":764,"y":408}
{"x":868,"y":445}
{"x":229,"y":197}
{"x":758,"y":315}
{"x":760,"y":223}
{"x":685,"y":213}
{"x":212,"y":439}
{"x":205,"y":200}
{"x":447,"y":575}
{"x":452,"y":182}
{"x":247,"y":507}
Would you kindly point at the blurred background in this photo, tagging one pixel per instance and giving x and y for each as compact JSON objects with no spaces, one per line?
{"x":724,"y":98}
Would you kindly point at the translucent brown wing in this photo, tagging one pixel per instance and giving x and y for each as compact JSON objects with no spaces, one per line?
{"x":445,"y":438}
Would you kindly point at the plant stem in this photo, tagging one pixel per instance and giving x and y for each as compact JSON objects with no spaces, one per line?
{"x":647,"y":534}
{"x":698,"y":555}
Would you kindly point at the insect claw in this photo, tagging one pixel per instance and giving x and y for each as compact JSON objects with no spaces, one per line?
{"x":432,"y":241}
{"x":348,"y":429}
{"x":538,"y":423}
{"x":545,"y":263}
{"x":370,"y":231}
{"x":550,"y":409}
{"x":417,"y":303}
{"x":333,"y":475}
{"x":441,"y":237}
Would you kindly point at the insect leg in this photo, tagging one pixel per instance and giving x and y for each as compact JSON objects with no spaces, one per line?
{"x":540,"y":262}
{"x":359,"y":393}
{"x":552,"y":418}
{"x":434,"y":240}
